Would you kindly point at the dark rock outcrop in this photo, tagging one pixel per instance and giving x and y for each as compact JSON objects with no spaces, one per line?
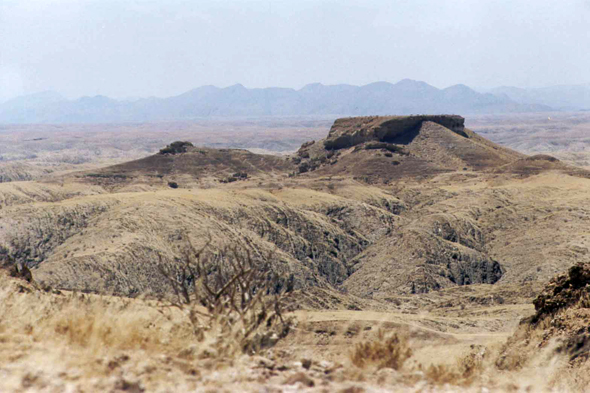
{"x":564,"y":290}
{"x":562,"y":317}
{"x":413,"y":147}
{"x":353,"y":131}
{"x":176,"y":148}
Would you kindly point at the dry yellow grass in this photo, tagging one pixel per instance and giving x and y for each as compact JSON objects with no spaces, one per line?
{"x":336,"y":235}
{"x":90,"y":321}
{"x":50,"y":342}
{"x":386,"y":351}
{"x":74,"y":342}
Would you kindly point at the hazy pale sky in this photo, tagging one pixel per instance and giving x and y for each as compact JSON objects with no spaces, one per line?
{"x":165,"y":47}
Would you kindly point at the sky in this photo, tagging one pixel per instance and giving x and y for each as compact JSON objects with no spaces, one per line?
{"x":132,"y":48}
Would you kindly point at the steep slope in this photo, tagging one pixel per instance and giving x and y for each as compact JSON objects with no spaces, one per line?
{"x":373,"y":149}
{"x":451,"y":209}
{"x":115,"y":241}
{"x":381,"y":149}
{"x":557,"y":336}
{"x":430,"y":253}
{"x":449,"y":259}
{"x":533,"y":227}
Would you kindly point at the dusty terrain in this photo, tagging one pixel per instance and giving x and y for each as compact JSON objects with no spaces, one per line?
{"x":31,"y":151}
{"x":561,"y":134}
{"x":435,"y":234}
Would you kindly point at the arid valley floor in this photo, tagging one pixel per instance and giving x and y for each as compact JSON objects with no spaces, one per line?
{"x":423,"y":253}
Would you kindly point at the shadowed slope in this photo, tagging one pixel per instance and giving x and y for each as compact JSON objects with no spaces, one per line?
{"x":386,"y":148}
{"x":328,"y":231}
{"x":198,"y":163}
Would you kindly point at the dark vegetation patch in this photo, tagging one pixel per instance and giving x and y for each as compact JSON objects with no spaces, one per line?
{"x":390,"y":147}
{"x":176,"y":147}
{"x":109,"y":176}
{"x":542,"y":157}
{"x":235,"y":177}
{"x":240,"y":175}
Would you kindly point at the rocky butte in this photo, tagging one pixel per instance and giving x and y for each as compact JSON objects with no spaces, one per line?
{"x":347,"y":132}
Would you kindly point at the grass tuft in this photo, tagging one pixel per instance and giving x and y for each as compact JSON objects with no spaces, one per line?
{"x":389,"y":351}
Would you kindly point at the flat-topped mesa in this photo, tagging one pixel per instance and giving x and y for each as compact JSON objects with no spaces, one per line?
{"x":348,"y":132}
{"x":383,"y":148}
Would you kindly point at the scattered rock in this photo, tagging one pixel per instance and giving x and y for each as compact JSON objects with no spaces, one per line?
{"x":189,"y":352}
{"x":301,"y":378}
{"x":20,"y":270}
{"x":264,"y":362}
{"x":353,"y":389}
{"x":306,"y":363}
{"x":127,"y":386}
{"x":304,"y":167}
{"x":117,"y":362}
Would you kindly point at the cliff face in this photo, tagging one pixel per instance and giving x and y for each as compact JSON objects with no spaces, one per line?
{"x":349,"y":132}
{"x":412,"y":146}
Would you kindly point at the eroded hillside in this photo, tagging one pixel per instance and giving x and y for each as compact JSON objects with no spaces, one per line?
{"x":416,"y":227}
{"x":381,"y":208}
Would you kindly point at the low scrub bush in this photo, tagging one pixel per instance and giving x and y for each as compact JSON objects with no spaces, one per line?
{"x":463,"y":373}
{"x":387,"y":351}
{"x":233,"y":301}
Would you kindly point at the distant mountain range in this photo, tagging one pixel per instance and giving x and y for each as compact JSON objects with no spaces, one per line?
{"x":380,"y":98}
{"x":566,"y":97}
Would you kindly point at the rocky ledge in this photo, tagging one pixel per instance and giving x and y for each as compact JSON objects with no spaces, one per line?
{"x":348,"y":132}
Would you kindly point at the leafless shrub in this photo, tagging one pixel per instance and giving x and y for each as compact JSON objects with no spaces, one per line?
{"x":463,"y":373}
{"x":230,"y":298}
{"x":386,"y":352}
